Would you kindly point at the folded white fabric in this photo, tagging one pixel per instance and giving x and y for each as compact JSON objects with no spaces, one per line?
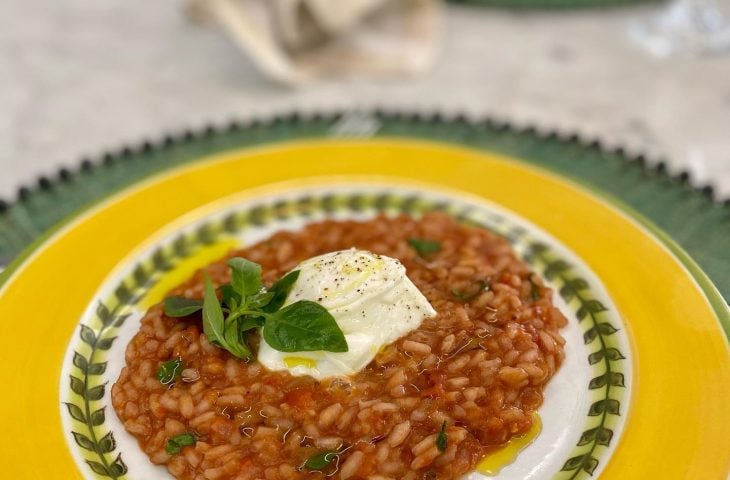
{"x":296,"y":41}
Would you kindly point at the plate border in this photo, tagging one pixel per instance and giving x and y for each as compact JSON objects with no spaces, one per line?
{"x":583,"y":160}
{"x":444,"y":174}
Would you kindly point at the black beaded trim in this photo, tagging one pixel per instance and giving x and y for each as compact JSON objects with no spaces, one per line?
{"x":657,"y":168}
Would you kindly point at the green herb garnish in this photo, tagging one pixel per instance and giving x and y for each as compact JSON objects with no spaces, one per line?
{"x":534,"y":290}
{"x":280,"y":289}
{"x":303,"y":326}
{"x":424,"y":247}
{"x":182,"y":307}
{"x":476,"y":289}
{"x":245,"y":276}
{"x":441,"y":441}
{"x":246,"y":305}
{"x":321,"y":460}
{"x":222,"y":332}
{"x":170,"y":371}
{"x":175,"y":444}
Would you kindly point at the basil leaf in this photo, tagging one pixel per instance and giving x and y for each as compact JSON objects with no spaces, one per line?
{"x":234,"y":340}
{"x":304,"y":326}
{"x":321,"y":460}
{"x":247,"y":323}
{"x":245,"y":276}
{"x":170,"y":371}
{"x":175,"y":444}
{"x":229,"y":296}
{"x":281,"y":290}
{"x":441,"y":441}
{"x":213,"y":324}
{"x":260,"y":299}
{"x":476,"y":289}
{"x":424,"y":247}
{"x":182,"y":307}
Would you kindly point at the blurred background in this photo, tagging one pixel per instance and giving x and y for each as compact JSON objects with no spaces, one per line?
{"x":79,"y":77}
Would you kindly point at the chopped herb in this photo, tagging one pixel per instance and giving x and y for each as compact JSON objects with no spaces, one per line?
{"x":534,"y":290}
{"x":170,"y":371}
{"x":321,"y":461}
{"x":441,"y":441}
{"x":430,"y":475}
{"x":424,"y":247}
{"x":246,"y":304}
{"x":470,"y":345}
{"x":472,"y":292}
{"x":175,"y":444}
{"x":182,"y":307}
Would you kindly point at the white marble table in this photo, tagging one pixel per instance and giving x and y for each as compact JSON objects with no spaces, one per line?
{"x":79,"y":77}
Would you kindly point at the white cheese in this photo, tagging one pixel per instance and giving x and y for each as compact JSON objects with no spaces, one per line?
{"x":371,"y":299}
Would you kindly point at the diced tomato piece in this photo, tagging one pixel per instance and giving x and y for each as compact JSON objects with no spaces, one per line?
{"x":300,"y":398}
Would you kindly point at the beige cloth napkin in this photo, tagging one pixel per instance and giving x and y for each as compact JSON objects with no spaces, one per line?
{"x":298,"y":41}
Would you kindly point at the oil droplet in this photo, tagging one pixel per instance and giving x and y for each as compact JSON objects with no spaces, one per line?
{"x":292,"y":362}
{"x":496,"y":461}
{"x":185,"y":269}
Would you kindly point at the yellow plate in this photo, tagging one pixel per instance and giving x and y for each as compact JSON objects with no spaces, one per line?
{"x":679,"y":424}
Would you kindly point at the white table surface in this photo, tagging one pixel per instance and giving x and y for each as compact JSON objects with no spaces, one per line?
{"x":79,"y":77}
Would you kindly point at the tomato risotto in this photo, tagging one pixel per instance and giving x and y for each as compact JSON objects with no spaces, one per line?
{"x":429,"y":406}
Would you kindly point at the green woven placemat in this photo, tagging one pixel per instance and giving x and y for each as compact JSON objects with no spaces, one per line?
{"x":690,"y":216}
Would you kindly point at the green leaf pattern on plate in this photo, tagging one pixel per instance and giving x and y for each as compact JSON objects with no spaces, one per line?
{"x":88,"y":412}
{"x":597,"y":331}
